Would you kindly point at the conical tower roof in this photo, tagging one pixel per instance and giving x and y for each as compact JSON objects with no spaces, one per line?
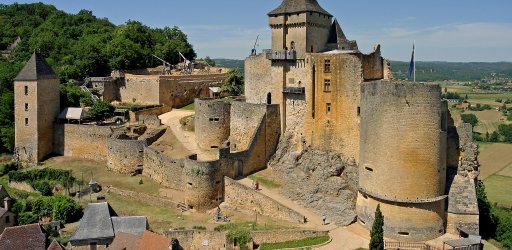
{"x":36,"y":69}
{"x":298,"y":6}
{"x":336,"y":33}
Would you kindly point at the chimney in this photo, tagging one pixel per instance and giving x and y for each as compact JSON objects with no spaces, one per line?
{"x":7,"y":203}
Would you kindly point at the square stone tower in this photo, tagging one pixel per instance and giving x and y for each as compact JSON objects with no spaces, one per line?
{"x":37,"y":104}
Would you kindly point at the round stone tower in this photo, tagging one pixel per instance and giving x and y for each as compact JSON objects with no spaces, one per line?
{"x":403,"y":159}
{"x":211,"y":123}
{"x":204,"y":183}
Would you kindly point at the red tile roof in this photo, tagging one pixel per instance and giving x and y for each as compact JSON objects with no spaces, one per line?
{"x":153,"y":241}
{"x":55,"y":246}
{"x":125,"y":241}
{"x":23,"y":237}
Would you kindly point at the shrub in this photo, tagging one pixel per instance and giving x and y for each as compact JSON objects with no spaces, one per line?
{"x":8,"y":167}
{"x":241,"y":236}
{"x":27,"y":218}
{"x":43,"y":186}
{"x":199,"y":227}
{"x":101,"y":110}
{"x":61,"y":208}
{"x":469,"y":118}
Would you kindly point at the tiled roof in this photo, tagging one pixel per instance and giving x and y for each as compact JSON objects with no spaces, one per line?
{"x":96,"y":223}
{"x":23,"y":237}
{"x":55,"y":246}
{"x":36,"y":69}
{"x":130,"y":224}
{"x":125,"y":241}
{"x":299,"y":6}
{"x":153,"y":241}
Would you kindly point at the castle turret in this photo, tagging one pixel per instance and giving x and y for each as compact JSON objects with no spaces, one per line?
{"x":403,"y":159}
{"x":37,"y":103}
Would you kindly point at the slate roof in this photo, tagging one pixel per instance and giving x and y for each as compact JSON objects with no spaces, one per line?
{"x":23,"y":237}
{"x":298,"y":6}
{"x":336,"y":33}
{"x":55,"y":246}
{"x":36,"y":69}
{"x":126,"y":241}
{"x":96,"y":223}
{"x":130,"y":224}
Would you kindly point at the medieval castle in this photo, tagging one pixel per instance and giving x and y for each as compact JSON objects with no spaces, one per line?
{"x":314,"y":89}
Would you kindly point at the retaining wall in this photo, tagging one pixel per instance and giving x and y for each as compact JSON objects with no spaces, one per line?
{"x":277,"y":236}
{"x":83,"y":141}
{"x":162,"y":169}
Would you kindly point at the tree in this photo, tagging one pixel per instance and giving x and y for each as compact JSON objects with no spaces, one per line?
{"x":494,"y":137}
{"x":377,"y":232}
{"x":234,"y":83}
{"x":43,"y":186}
{"x":66,"y":209}
{"x":506,"y":131}
{"x":487,"y":225}
{"x":26,"y":218}
{"x":469,"y":118}
{"x":209,"y":61}
{"x":101,"y":110}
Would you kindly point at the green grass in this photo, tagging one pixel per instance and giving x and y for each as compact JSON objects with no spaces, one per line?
{"x":507,"y":171}
{"x":296,"y":243}
{"x":498,"y":189}
{"x":264,"y":182}
{"x":189,"y":107}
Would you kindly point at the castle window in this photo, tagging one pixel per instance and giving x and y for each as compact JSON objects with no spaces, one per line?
{"x":327,"y":66}
{"x":369,"y":169}
{"x":403,"y":233}
{"x":311,"y":48}
{"x":328,"y":108}
{"x":26,"y":121}
{"x":292,"y":45}
{"x":327,"y":85}
{"x":358,"y":111}
{"x":26,"y":90}
{"x":215,"y":119}
{"x":362,"y":221}
{"x":26,"y":106}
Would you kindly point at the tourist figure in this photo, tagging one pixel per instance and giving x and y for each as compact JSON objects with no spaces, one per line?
{"x":257,"y":185}
{"x":323,"y":219}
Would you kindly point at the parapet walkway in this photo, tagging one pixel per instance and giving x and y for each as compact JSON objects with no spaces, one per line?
{"x":343,"y":238}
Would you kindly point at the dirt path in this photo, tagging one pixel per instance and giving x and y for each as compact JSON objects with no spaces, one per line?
{"x":186,"y":138}
{"x":343,"y":238}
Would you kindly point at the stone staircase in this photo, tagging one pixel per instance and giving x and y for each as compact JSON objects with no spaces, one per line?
{"x":182,"y":206}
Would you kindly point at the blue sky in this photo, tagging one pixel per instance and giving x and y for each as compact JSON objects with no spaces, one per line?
{"x":444,"y":30}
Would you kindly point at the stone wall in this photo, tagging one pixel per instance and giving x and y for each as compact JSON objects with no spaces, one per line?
{"x":135,"y":115}
{"x":257,"y":80}
{"x":125,"y":155}
{"x":248,"y":200}
{"x":140,"y":89}
{"x":373,"y":65}
{"x":332,"y":118}
{"x":260,"y":237}
{"x":179,"y":91}
{"x":245,"y":121}
{"x":193,"y":240}
{"x":84,"y":141}
{"x":212,"y":122}
{"x":160,"y":168}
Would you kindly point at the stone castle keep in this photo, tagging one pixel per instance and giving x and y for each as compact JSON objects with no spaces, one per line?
{"x":313,"y":90}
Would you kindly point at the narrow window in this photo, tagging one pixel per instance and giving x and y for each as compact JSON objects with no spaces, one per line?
{"x":328,"y":108}
{"x":190,"y":184}
{"x":327,"y":66}
{"x":311,"y":48}
{"x":327,"y":85}
{"x":269,"y":98}
{"x":26,"y":121}
{"x":26,"y":106}
{"x":369,"y":169}
{"x":26,"y":90}
{"x":7,"y":219}
{"x":403,"y":233}
{"x":358,"y":111}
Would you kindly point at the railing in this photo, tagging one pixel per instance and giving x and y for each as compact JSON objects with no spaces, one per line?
{"x":294,"y":90}
{"x":282,"y":55}
{"x":84,"y":88}
{"x":408,"y":245}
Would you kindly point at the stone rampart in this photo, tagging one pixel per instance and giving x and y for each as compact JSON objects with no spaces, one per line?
{"x":260,"y":237}
{"x":195,"y":240}
{"x":373,"y":65}
{"x":204,"y":187}
{"x":179,"y":91}
{"x":125,"y":155}
{"x":162,"y":169}
{"x":247,"y":199}
{"x":83,"y":141}
{"x":212,"y":122}
{"x":245,"y":120}
{"x":136,"y":115}
{"x":138,"y":89}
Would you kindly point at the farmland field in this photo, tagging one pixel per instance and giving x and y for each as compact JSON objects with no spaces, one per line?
{"x":496,"y":172}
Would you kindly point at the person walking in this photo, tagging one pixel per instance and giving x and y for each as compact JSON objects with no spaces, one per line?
{"x":324,"y":218}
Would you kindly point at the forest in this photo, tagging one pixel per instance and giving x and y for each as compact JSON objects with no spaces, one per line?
{"x":76,"y":46}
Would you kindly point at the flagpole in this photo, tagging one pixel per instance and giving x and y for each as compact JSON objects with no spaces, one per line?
{"x":414,"y":58}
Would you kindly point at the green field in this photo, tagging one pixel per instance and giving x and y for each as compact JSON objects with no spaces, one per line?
{"x":499,"y":188}
{"x":296,"y":243}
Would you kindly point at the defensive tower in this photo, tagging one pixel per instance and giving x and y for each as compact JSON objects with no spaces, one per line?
{"x":37,"y":104}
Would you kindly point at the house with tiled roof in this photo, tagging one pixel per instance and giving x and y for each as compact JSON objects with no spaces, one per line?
{"x":23,"y":237}
{"x":55,"y":246}
{"x":100,"y":225}
{"x":7,"y":218}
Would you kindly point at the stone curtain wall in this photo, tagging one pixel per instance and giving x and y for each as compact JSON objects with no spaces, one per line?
{"x":260,"y":237}
{"x":212,"y":122}
{"x":166,"y":171}
{"x":136,"y":115}
{"x":48,"y":108}
{"x":125,"y":155}
{"x":257,"y":79}
{"x":84,"y":141}
{"x":179,"y":91}
{"x":245,"y":120}
{"x":247,"y":199}
{"x":193,"y":240}
{"x":140,"y":89}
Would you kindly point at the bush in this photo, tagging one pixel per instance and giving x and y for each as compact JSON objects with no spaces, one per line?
{"x":101,"y":110}
{"x":8,"y":167}
{"x":61,"y":208}
{"x":27,"y":218}
{"x":241,"y":236}
{"x":44,"y":187}
{"x":499,"y":100}
{"x":199,"y":227}
{"x":469,"y":118}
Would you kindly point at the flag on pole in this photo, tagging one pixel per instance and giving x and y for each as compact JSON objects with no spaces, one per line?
{"x":412,"y":67}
